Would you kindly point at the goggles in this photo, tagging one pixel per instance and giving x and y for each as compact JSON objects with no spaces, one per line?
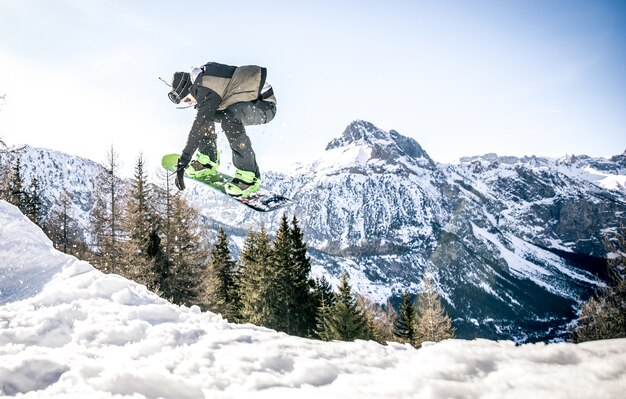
{"x":174,"y":97}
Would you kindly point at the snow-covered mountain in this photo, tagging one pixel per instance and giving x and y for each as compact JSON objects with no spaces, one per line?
{"x":608,"y":173}
{"x":68,"y":330}
{"x":57,"y":172}
{"x":514,"y":242}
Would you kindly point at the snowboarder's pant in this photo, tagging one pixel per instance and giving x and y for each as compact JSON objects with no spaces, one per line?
{"x":233,"y":120}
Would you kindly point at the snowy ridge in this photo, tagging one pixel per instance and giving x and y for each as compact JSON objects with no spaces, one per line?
{"x":603,"y":179}
{"x":71,"y":331}
{"x":57,"y":172}
{"x":609,"y":174}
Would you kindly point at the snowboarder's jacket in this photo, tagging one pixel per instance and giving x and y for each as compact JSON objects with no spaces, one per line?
{"x":233,"y":84}
{"x":217,"y":87}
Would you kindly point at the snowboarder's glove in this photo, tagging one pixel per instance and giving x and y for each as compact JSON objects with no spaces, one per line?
{"x":180,"y":173}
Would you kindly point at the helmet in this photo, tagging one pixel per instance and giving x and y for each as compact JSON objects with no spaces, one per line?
{"x":181,"y":83}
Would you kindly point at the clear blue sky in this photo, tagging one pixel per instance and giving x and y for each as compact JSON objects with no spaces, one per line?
{"x":465,"y":77}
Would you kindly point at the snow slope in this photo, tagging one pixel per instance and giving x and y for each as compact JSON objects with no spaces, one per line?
{"x":67,"y":330}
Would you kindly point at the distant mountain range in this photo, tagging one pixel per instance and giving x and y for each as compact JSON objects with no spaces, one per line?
{"x":513,"y":243}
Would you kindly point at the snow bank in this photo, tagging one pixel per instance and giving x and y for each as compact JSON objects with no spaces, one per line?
{"x":67,"y":330}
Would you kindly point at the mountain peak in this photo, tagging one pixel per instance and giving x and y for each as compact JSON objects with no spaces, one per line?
{"x":359,"y":132}
{"x":388,"y":146}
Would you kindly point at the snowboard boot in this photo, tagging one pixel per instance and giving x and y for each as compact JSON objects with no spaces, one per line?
{"x":243,"y":184}
{"x":202,"y":166}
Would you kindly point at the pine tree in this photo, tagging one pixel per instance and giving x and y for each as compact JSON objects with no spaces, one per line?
{"x":258,"y":283}
{"x":165,"y":212}
{"x":185,"y":259}
{"x":282,"y":271}
{"x":345,"y":321}
{"x":604,"y":315}
{"x":106,"y":217}
{"x":433,"y":324}
{"x":138,"y":204}
{"x":34,"y":205}
{"x":276,"y":289}
{"x":17,"y":195}
{"x":322,"y":330}
{"x":323,"y":292}
{"x":303,"y":307}
{"x":323,"y":301}
{"x":221,"y":287}
{"x":29,"y":202}
{"x":142,"y":250}
{"x":405,"y":323}
{"x":58,"y":227}
{"x":61,"y":228}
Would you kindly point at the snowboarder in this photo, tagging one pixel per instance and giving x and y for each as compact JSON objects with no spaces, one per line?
{"x":234,"y":97}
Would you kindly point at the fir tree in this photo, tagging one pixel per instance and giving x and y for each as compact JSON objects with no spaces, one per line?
{"x":433,"y":324}
{"x":163,"y":268}
{"x":162,"y":264}
{"x":322,"y":330}
{"x":604,"y":315}
{"x":324,"y":292}
{"x":64,"y":231}
{"x":323,"y":301}
{"x":283,"y":296}
{"x":303,"y":307}
{"x":221,"y":288}
{"x":34,"y":205}
{"x":138,"y":204}
{"x":258,"y":282}
{"x":16,"y":192}
{"x":405,"y":323}
{"x":183,"y":267}
{"x":106,"y":217}
{"x":276,"y":290}
{"x":142,"y":250}
{"x":60,"y":226}
{"x":345,"y":321}
{"x":293,"y":303}
{"x":27,"y":200}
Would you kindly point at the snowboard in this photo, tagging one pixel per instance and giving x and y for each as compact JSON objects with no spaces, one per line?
{"x":261,"y":201}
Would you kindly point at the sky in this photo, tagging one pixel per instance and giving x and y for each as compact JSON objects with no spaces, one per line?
{"x":69,"y":330}
{"x":515,"y":77}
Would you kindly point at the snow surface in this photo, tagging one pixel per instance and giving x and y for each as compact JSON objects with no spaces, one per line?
{"x":67,"y":330}
{"x":602,"y":179}
{"x":518,"y":261}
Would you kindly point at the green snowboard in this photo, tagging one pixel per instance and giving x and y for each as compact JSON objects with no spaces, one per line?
{"x":262,"y":201}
